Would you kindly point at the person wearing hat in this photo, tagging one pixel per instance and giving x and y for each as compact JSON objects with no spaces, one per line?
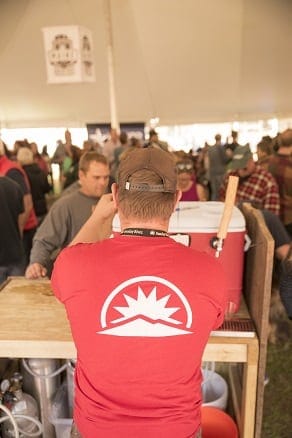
{"x":187,"y":182}
{"x":140,"y":315}
{"x":256,"y":185}
{"x":259,"y":187}
{"x":280,"y":166}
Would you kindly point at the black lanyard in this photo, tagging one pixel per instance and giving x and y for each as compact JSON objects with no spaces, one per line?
{"x":145,"y":232}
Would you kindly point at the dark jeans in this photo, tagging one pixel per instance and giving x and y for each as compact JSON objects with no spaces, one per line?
{"x":276,"y":228}
{"x":76,"y":434}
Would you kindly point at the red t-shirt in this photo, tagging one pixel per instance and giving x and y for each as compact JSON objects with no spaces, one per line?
{"x":141,"y":310}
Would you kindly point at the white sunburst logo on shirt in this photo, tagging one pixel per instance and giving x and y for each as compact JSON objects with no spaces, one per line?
{"x":146,"y":315}
{"x":149,"y":306}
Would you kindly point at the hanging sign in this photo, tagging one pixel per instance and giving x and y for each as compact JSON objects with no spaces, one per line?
{"x":101,"y":131}
{"x":68,"y":53}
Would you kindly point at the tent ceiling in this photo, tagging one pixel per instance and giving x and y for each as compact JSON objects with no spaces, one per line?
{"x":184,"y":61}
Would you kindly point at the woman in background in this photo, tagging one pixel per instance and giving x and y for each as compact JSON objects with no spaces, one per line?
{"x":186,"y":181}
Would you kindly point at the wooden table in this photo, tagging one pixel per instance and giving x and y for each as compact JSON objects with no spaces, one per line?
{"x":34,"y":324}
{"x":235,"y":348}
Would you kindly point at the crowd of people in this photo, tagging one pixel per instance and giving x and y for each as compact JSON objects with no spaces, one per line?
{"x":147,"y":180}
{"x":87,"y":173}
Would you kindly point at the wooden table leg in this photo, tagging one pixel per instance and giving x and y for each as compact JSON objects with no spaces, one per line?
{"x":243,"y":391}
{"x":249,"y":391}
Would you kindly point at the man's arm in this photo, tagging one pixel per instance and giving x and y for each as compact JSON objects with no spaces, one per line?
{"x":272,"y":198}
{"x":49,"y":237}
{"x":99,"y":225}
{"x":40,"y":256}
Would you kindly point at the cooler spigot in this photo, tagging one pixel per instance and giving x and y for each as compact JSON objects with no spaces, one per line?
{"x":217,"y":243}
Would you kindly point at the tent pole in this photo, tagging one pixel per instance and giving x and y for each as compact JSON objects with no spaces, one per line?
{"x":110,"y":61}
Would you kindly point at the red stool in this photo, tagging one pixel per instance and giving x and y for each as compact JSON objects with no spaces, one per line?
{"x":217,"y":424}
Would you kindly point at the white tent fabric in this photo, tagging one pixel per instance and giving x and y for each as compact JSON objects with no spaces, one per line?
{"x":184,"y":61}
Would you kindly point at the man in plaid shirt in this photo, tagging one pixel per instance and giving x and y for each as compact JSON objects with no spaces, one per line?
{"x":259,"y":187}
{"x":256,"y":185}
{"x":280,"y":165}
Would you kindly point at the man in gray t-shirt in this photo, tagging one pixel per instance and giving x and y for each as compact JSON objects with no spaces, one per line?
{"x":68,"y":214}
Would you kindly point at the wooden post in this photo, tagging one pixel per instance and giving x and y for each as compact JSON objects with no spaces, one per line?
{"x":227,"y":213}
{"x":111,"y":69}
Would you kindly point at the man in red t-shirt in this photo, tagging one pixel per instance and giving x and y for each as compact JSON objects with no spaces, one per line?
{"x":141,"y":308}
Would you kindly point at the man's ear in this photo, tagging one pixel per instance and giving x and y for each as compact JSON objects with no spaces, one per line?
{"x":114,"y":189}
{"x":80,"y":174}
{"x":178,"y":195}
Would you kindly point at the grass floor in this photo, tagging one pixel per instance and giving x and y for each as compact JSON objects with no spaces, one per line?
{"x":277,"y":414}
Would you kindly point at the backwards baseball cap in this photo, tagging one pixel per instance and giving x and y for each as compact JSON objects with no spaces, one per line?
{"x":241,"y":156}
{"x":154,"y":159}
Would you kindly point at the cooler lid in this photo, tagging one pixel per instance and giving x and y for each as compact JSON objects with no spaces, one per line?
{"x":195,"y":217}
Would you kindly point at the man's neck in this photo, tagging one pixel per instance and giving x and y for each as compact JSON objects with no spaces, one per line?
{"x":154,"y":224}
{"x":85,"y":193}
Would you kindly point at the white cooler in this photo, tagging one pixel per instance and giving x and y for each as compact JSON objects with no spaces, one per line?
{"x":196,"y":223}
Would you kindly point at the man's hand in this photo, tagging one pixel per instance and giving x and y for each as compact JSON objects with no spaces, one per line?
{"x":99,"y":225}
{"x":105,"y":208}
{"x":35,"y":270}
